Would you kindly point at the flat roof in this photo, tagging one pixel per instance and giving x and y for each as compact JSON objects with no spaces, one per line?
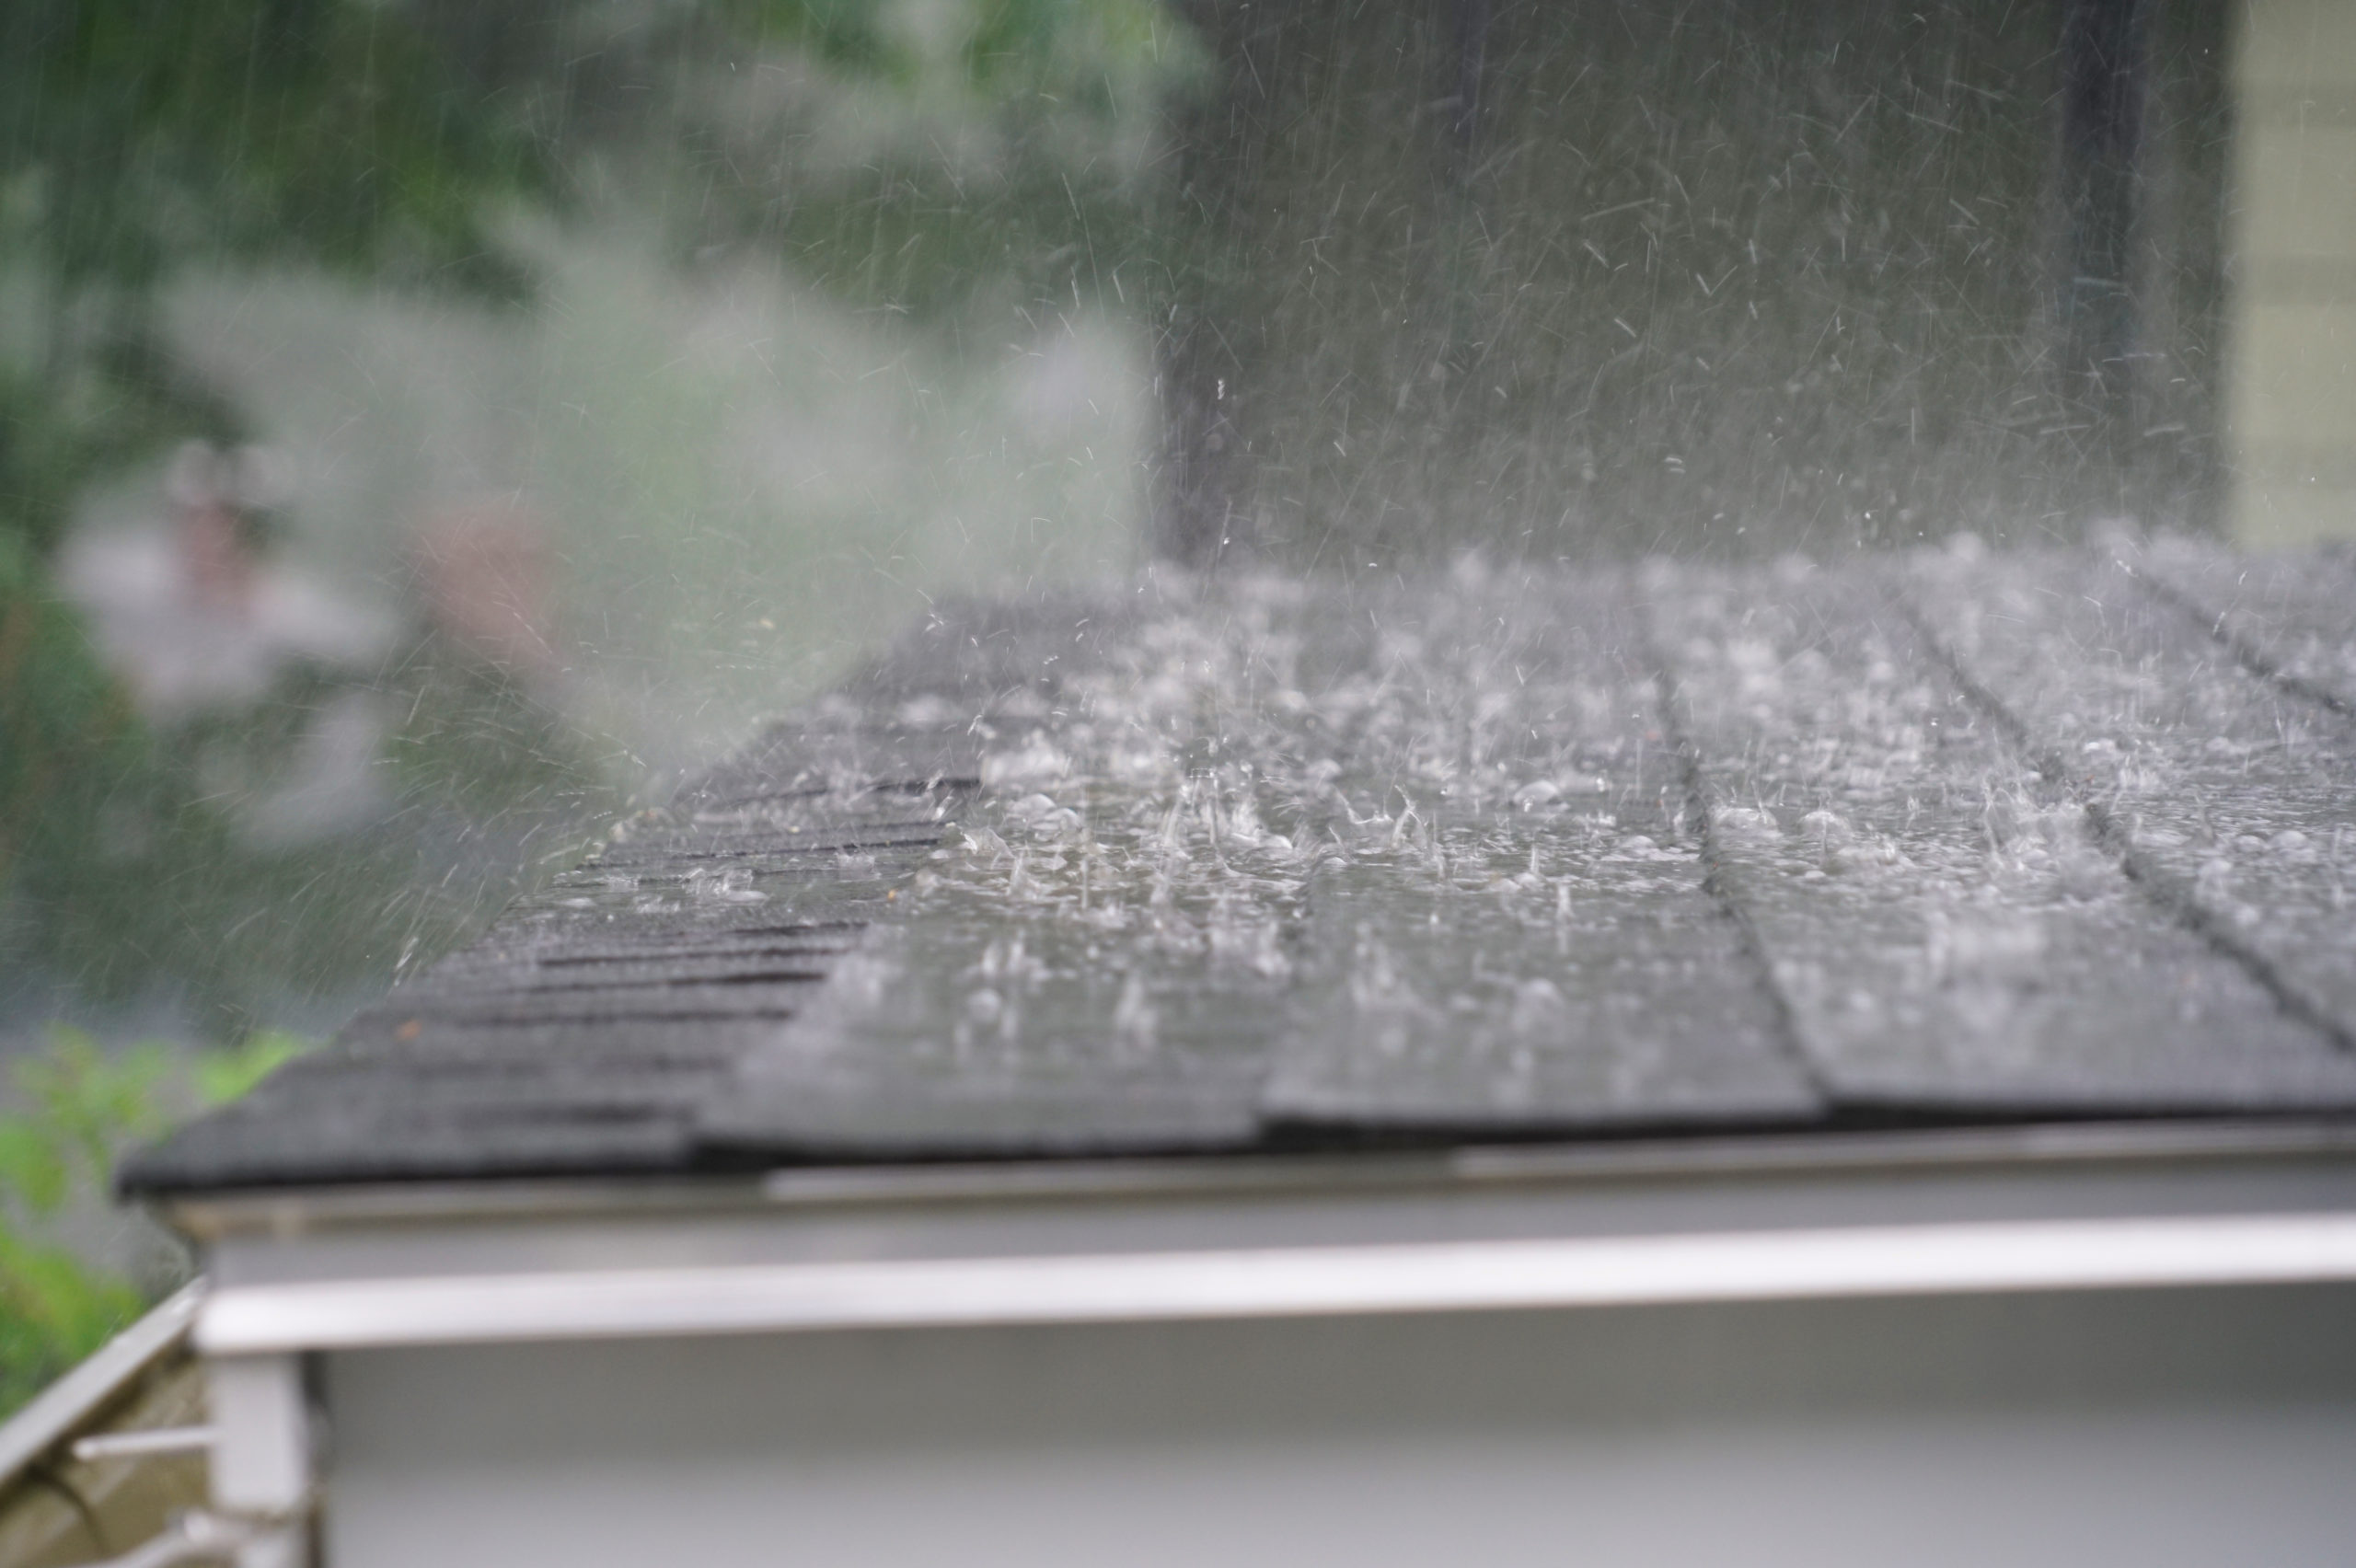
{"x":1264,"y":865}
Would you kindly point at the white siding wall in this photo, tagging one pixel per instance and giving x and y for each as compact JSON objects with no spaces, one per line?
{"x":2163,"y":1428}
{"x":2292,"y":400}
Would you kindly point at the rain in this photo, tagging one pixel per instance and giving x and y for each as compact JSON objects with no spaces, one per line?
{"x":1185,"y":568}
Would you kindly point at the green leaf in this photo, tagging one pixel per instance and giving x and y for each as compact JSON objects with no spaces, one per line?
{"x":55,"y":1309}
{"x":89,"y":1107}
{"x":33,"y":1171}
{"x":223,"y":1076}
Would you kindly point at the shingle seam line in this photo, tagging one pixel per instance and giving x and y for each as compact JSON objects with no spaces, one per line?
{"x":1666,"y":694}
{"x":2251,"y":655}
{"x":2165,"y":890}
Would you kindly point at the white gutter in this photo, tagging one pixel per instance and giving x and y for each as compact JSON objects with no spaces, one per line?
{"x":1283,"y":1281}
{"x":69,"y":1404}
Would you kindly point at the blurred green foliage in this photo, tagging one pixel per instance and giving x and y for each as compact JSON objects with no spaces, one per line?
{"x":912,"y":156}
{"x":940,"y":160}
{"x":78,"y":1109}
{"x":137,"y":136}
{"x":155,"y":131}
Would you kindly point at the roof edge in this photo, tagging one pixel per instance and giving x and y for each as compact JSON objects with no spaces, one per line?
{"x":283,"y":1211}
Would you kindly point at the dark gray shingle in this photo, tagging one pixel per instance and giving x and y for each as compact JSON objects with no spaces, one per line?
{"x":1945,"y":923}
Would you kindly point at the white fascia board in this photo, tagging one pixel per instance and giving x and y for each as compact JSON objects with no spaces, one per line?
{"x":1283,"y":1281}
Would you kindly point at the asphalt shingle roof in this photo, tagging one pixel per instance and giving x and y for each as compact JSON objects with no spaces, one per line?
{"x":1274,"y":863}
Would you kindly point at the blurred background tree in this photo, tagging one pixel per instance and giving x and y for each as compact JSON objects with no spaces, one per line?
{"x":267,"y":816}
{"x":923,"y":160}
{"x":136,"y":139}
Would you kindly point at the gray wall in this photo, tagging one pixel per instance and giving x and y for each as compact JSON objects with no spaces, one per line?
{"x":1561,"y":276}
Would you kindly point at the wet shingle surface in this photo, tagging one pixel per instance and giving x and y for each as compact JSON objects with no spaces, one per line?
{"x":1281,"y":864}
{"x":1943,"y":921}
{"x":1509,"y":923}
